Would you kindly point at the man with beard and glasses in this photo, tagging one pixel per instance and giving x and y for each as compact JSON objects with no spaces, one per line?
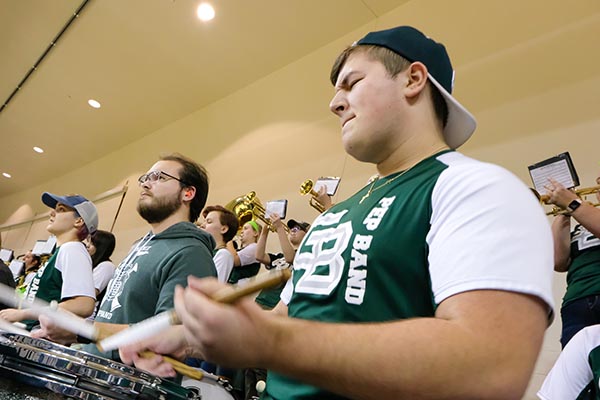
{"x":173,"y":193}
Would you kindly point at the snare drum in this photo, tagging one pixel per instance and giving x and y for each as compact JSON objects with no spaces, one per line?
{"x":80,"y":375}
{"x":211,"y":387}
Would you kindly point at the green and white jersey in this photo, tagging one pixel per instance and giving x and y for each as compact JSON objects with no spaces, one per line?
{"x":448,"y":225}
{"x":576,"y":373}
{"x":583,"y":277}
{"x":67,"y":274}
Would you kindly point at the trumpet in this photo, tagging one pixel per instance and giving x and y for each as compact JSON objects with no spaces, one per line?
{"x":249,"y":208}
{"x":579,"y":192}
{"x":307,"y":187}
{"x":561,"y":211}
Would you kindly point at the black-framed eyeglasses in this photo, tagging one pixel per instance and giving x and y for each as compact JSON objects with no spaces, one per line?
{"x":159,"y":176}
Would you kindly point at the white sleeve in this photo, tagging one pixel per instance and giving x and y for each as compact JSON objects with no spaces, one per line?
{"x":224,"y":263}
{"x":487,"y":232}
{"x":571,"y":373}
{"x":247,"y":255}
{"x":103,"y":273}
{"x":287,"y":291}
{"x":75,"y":265}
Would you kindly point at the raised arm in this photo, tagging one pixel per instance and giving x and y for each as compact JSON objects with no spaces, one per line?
{"x":284,"y":241}
{"x":586,"y":214}
{"x":261,"y":245}
{"x":234,"y":253}
{"x":561,"y":227}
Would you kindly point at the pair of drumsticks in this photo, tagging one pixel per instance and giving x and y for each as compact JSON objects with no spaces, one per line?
{"x":144,"y":329}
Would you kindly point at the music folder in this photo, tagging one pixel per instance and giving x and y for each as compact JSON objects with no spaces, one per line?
{"x":560,"y":168}
{"x":16,"y":266}
{"x":6,"y":255}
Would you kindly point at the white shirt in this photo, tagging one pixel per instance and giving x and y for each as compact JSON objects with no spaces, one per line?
{"x":224,"y":263}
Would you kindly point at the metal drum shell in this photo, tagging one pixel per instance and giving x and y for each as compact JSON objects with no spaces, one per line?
{"x":76,"y":374}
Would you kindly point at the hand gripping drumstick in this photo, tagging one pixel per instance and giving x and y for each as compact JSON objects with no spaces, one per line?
{"x":154,"y":325}
{"x":12,"y":328}
{"x":61,"y":318}
{"x":71,"y":323}
{"x":178,"y":366}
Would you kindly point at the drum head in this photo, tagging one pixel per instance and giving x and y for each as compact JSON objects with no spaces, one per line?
{"x":72,"y":373}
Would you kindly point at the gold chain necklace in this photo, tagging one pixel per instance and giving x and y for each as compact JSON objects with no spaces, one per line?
{"x":373,"y":188}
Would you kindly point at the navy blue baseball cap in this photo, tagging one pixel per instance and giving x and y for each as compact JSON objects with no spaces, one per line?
{"x":85,"y":208}
{"x":413,"y":45}
{"x":300,"y":224}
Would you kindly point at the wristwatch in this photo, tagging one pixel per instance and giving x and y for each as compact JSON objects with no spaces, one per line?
{"x":574,"y":205}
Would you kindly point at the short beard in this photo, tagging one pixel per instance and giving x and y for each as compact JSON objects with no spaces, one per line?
{"x":158,"y":210}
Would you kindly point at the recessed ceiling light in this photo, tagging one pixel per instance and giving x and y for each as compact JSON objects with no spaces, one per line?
{"x":94,"y":103}
{"x":205,"y":12}
{"x":38,"y":149}
{"x":6,"y":175}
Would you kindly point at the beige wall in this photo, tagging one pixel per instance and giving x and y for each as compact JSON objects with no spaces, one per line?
{"x":277,"y":132}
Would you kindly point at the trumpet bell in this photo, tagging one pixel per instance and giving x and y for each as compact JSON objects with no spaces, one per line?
{"x":242,"y":210}
{"x":306,"y":187}
{"x":249,"y":208}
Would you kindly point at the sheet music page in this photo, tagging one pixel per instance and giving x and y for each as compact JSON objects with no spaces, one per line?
{"x":38,"y":248}
{"x":276,"y":207}
{"x":330,"y":183}
{"x":6,"y":255}
{"x":16,"y":266}
{"x":559,"y":171}
{"x":50,"y":245}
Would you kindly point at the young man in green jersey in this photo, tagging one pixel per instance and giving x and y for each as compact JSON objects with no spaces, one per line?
{"x":67,"y":276}
{"x":433,"y":281}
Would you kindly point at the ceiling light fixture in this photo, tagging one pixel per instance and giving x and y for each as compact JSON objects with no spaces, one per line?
{"x":93,"y":103}
{"x":6,"y":175}
{"x":38,"y":149}
{"x":205,"y":12}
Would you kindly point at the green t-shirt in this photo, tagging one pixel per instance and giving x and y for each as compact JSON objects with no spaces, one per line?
{"x":268,"y":298}
{"x":399,"y":247}
{"x":583,"y":278}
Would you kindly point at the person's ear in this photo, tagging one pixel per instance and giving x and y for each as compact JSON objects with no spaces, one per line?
{"x":189,"y":192}
{"x":78,"y":223}
{"x":416,"y":78}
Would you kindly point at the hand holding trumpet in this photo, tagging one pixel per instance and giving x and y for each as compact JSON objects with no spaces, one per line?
{"x":558,"y":195}
{"x":562,"y":197}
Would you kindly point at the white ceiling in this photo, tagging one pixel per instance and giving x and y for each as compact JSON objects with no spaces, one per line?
{"x":152,"y":62}
{"x":149,"y":62}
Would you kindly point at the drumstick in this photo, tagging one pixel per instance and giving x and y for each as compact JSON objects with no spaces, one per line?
{"x":12,"y":328}
{"x":59,"y":317}
{"x":178,"y":366}
{"x":154,"y":325}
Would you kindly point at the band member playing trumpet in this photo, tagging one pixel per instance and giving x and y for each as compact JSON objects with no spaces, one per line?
{"x":576,"y":252}
{"x":245,"y":264}
{"x":401,"y":291}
